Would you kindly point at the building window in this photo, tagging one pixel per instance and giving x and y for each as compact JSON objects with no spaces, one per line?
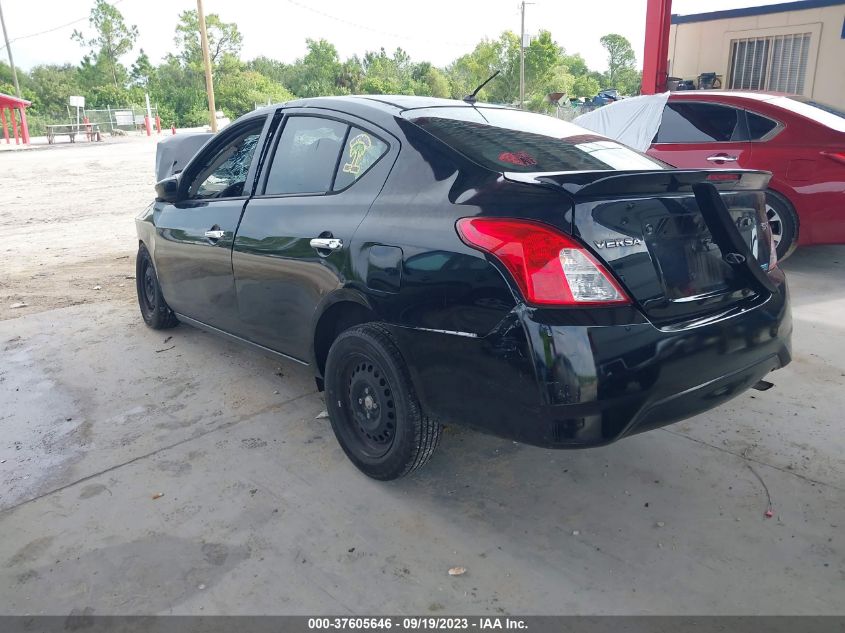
{"x":776,"y":63}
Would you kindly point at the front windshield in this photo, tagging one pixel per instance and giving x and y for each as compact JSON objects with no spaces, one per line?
{"x":504,"y":140}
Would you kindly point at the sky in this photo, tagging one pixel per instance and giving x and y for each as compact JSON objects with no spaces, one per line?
{"x":430,"y":30}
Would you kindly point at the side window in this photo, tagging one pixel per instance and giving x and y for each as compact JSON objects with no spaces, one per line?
{"x":759,"y":126}
{"x":306,"y":156}
{"x":361,"y":152}
{"x":224,"y":175}
{"x":699,"y":123}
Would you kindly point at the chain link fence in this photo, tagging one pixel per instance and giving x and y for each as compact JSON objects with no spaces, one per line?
{"x":126,"y":118}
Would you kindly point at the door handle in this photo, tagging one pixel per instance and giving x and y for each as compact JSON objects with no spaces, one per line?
{"x":722,"y":158}
{"x":326,"y":243}
{"x":215,"y":234}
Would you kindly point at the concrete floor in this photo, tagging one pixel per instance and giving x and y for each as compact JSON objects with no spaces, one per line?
{"x":262,"y":513}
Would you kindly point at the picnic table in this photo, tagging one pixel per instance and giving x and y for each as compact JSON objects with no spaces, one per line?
{"x":90,"y":130}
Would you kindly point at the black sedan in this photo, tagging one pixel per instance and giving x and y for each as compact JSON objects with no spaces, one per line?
{"x":437,"y":261}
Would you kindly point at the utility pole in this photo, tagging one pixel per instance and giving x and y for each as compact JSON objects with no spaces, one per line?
{"x":9,"y":51}
{"x":522,"y":55}
{"x":206,"y":58}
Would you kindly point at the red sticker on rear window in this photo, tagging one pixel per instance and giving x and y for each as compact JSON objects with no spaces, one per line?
{"x":523,"y":159}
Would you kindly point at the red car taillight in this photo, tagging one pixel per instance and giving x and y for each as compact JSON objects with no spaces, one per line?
{"x":549,"y":267}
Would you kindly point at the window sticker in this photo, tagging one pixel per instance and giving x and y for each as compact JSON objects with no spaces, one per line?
{"x":521,"y":158}
{"x":358,"y":147}
{"x":361,"y":151}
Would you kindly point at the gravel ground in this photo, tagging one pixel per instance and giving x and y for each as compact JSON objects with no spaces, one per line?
{"x":153,"y":473}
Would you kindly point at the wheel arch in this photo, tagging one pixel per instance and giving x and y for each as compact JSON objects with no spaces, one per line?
{"x":340,"y":311}
{"x":776,"y":192}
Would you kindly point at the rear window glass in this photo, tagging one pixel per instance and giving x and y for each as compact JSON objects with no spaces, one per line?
{"x":823,"y":113}
{"x":759,"y":126}
{"x":361,"y":152}
{"x":698,"y":123}
{"x":512,"y":140}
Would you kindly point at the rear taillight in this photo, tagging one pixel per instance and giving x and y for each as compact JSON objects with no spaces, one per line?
{"x":549,"y":267}
{"x":839,"y":157}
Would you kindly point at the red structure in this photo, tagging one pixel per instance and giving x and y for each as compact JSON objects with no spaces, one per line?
{"x":16,"y":110}
{"x":656,"y":53}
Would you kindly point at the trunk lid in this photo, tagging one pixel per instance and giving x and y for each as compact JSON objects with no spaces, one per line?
{"x":686,"y":244}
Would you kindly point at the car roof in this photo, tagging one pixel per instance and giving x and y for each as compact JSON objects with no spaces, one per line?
{"x":721,"y":94}
{"x":394,"y":104}
{"x":382,"y":110}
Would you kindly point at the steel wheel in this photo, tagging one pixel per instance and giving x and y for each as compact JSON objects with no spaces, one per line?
{"x":154,"y":309}
{"x":148,"y":296}
{"x":373,"y":407}
{"x":369,"y":400}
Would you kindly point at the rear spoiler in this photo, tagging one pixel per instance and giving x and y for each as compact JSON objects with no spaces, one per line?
{"x":699,"y":182}
{"x":588,"y":184}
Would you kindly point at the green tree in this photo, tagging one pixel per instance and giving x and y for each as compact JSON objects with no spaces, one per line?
{"x":469,"y":71}
{"x":107,"y":96}
{"x":394,"y":74}
{"x":272,"y":69}
{"x":620,"y":57}
{"x":318,"y":72}
{"x":585,"y":86}
{"x":51,"y":86}
{"x":437,"y":82}
{"x":113,"y":39}
{"x":6,"y":77}
{"x":351,"y":75}
{"x":181,"y":90}
{"x":629,"y":81}
{"x":243,"y":90}
{"x":142,"y":70}
{"x":224,"y":38}
{"x":576,"y":64}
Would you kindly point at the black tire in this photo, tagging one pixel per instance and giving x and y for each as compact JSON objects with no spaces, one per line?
{"x":154,"y":309}
{"x":784,"y":223}
{"x":373,"y":407}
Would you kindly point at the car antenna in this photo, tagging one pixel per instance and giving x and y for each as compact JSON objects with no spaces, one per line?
{"x":470,"y":99}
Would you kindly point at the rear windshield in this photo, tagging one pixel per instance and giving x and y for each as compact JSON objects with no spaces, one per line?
{"x":513,"y":140}
{"x":823,"y":113}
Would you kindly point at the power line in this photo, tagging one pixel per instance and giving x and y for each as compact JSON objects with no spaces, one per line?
{"x":52,"y":30}
{"x":293,"y":2}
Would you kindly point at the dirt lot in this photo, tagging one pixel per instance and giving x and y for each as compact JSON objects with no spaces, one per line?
{"x":261,"y":513}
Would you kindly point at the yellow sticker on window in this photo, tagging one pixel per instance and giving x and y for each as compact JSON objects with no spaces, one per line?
{"x":358,"y":147}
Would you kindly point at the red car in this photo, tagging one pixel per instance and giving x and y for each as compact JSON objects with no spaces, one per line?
{"x":800,"y":141}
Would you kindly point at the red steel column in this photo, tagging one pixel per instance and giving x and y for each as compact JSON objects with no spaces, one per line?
{"x":3,"y":121}
{"x":24,"y":126}
{"x":14,"y":126}
{"x":656,"y":53}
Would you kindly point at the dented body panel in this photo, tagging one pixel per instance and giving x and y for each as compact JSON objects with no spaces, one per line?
{"x":478,"y":353}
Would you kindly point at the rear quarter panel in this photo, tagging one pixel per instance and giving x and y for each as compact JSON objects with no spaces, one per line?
{"x":812,"y":182}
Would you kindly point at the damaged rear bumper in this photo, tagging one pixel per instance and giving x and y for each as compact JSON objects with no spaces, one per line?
{"x":570,"y":380}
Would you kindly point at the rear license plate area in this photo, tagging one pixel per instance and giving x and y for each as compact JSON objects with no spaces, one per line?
{"x":688,"y":262}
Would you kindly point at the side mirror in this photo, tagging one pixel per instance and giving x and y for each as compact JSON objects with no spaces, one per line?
{"x":167,"y":190}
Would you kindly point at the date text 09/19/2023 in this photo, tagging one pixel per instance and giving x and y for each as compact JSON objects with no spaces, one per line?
{"x":416,"y":623}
